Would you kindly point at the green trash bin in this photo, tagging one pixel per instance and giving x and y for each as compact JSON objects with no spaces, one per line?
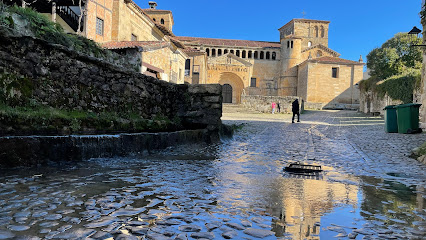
{"x":408,"y":117}
{"x":391,"y":124}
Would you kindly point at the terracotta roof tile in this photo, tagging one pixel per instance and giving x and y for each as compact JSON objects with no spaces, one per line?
{"x":135,"y":44}
{"x":228,"y":42}
{"x":192,"y":50}
{"x":334,"y":60}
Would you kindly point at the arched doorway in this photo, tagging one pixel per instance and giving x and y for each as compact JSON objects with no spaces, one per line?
{"x":227,"y":93}
{"x":233,"y":90}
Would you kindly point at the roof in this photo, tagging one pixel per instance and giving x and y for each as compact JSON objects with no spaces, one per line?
{"x":178,"y":43}
{"x":164,"y":30}
{"x":322,"y":47}
{"x":228,"y":42}
{"x":333,"y":60}
{"x":144,"y":45}
{"x":156,"y":10}
{"x":303,"y":20}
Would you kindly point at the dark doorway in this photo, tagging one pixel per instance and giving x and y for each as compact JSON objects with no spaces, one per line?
{"x":227,"y":93}
{"x":195,"y":78}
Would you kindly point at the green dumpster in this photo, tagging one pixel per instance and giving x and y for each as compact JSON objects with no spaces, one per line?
{"x":391,"y":124}
{"x":408,"y":117}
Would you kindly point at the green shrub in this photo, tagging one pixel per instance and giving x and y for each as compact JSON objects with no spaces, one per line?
{"x":400,"y":87}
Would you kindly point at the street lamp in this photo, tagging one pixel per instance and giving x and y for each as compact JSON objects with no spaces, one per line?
{"x":416,"y":31}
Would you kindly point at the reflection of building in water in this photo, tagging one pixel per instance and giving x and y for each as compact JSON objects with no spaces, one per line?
{"x":304,"y":201}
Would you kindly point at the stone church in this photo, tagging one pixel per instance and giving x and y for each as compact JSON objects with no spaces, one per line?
{"x":300,"y":64}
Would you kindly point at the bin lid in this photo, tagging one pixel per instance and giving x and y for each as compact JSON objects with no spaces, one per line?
{"x":408,"y":105}
{"x":389,"y":107}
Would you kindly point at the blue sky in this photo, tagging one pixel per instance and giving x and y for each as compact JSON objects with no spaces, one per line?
{"x":356,"y":27}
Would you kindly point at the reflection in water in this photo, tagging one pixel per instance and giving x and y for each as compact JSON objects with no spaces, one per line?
{"x":234,"y":189}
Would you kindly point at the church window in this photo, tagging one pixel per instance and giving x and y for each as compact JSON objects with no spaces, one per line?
{"x":288,"y":44}
{"x":319,"y":53}
{"x":322,"y":31}
{"x":274,"y":55}
{"x":253,"y":82}
{"x":99,"y":26}
{"x":208,"y":52}
{"x":187,"y":67}
{"x":316,"y":31}
{"x":309,"y":44}
{"x":262,"y":55}
{"x":268,"y":55}
{"x":237,"y":52}
{"x":162,"y":21}
{"x":225,"y":51}
{"x":256,"y":55}
{"x":213,"y":52}
{"x":249,"y":54}
{"x":243,"y":54}
{"x":335,"y":72}
{"x":291,"y":44}
{"x":219,"y":52}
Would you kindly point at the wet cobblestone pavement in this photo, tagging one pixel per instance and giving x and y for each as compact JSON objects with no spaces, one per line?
{"x":369,"y":189}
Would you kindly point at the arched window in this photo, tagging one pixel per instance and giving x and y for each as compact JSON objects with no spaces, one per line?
{"x":213,"y":52}
{"x":208,"y":52}
{"x":232,"y":51}
{"x":162,"y":21}
{"x":322,"y":31}
{"x":154,"y":19}
{"x":291,"y":44}
{"x":256,"y":55}
{"x":219,"y":52}
{"x":225,"y":51}
{"x":250,"y":54}
{"x":288,"y":44}
{"x":309,"y":43}
{"x":237,"y":52}
{"x":316,"y":31}
{"x":243,"y":54}
{"x":262,"y":55}
{"x":319,"y":53}
{"x":268,"y":55}
{"x":274,"y":55}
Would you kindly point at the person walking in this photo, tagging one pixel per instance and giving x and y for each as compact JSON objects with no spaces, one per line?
{"x":274,"y":105}
{"x":279,"y":107}
{"x":295,"y":110}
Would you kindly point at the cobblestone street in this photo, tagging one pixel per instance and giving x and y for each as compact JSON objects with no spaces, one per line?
{"x":236,"y":189}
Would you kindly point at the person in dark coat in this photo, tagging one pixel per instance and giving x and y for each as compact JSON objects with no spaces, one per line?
{"x":295,"y":110}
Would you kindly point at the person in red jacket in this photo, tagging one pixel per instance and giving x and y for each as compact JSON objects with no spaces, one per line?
{"x":274,"y":105}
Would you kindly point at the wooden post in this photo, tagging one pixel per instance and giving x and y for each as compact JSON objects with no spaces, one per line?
{"x":53,"y":11}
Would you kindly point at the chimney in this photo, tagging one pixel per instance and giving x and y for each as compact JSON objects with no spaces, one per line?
{"x":152,"y":5}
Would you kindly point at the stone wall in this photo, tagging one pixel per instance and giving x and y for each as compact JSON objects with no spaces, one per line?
{"x":263,"y":103}
{"x":52,"y":75}
{"x":35,"y":150}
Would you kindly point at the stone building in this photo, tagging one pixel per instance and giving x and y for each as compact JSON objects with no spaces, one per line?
{"x":300,"y":64}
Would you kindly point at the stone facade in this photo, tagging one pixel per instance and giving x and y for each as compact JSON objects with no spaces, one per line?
{"x":241,"y":66}
{"x":301,"y":65}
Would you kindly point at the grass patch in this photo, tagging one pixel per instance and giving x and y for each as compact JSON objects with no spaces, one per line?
{"x":420,"y":151}
{"x":46,"y":120}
